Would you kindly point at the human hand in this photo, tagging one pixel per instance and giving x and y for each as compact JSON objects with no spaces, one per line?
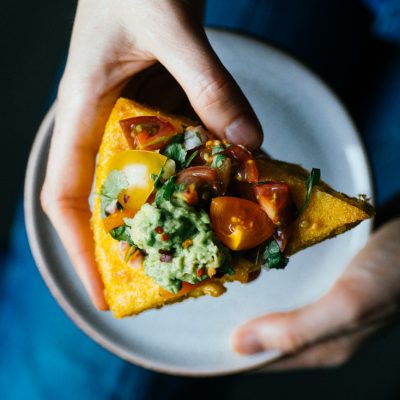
{"x":327,"y":332}
{"x":111,"y":42}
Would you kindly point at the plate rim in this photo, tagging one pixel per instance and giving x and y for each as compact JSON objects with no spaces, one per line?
{"x":43,"y":134}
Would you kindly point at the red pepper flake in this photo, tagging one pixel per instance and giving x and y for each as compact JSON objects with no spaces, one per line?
{"x":159,"y":230}
{"x":165,"y":237}
{"x":166,"y":257}
{"x":200,"y":272}
{"x":126,"y":198}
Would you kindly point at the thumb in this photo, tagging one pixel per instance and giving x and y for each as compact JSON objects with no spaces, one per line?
{"x":367,"y":292}
{"x":213,"y":93}
{"x":288,"y":332}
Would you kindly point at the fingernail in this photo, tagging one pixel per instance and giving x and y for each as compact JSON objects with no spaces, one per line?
{"x":245,"y":130}
{"x":247,"y":343}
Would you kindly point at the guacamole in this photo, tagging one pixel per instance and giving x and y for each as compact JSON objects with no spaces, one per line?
{"x":178,"y":244}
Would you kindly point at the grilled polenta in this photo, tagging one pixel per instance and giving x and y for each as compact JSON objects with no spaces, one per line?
{"x":130,"y":290}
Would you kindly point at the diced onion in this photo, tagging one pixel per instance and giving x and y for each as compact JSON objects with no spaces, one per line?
{"x":111,"y":208}
{"x":194,"y":137}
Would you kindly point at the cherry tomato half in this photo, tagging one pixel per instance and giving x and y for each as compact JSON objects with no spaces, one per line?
{"x":275,"y":200}
{"x":240,"y":224}
{"x":247,"y":169}
{"x":147,"y":133}
{"x":138,"y":167}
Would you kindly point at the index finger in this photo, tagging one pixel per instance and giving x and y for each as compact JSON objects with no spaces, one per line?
{"x":67,"y":186}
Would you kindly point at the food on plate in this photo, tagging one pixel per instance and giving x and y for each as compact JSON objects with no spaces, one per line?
{"x":179,"y":213}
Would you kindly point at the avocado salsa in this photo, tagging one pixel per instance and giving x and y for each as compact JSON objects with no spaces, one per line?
{"x":178,"y":243}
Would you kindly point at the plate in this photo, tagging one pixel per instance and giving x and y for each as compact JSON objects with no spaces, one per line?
{"x":303,"y":123}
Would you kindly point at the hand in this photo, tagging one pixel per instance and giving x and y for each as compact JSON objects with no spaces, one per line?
{"x":327,"y":332}
{"x":111,"y":42}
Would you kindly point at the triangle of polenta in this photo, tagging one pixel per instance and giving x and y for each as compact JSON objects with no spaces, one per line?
{"x":129,"y":291}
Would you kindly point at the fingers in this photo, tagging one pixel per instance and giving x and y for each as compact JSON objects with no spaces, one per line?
{"x":367,"y":291}
{"x":330,"y":353}
{"x":291,"y":331}
{"x":65,"y":194}
{"x":212,"y":91}
{"x":69,"y":176}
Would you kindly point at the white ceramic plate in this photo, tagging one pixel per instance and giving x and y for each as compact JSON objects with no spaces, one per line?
{"x":303,"y":123}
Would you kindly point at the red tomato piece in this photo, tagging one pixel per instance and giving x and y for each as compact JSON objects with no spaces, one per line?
{"x":147,"y":133}
{"x":275,"y":200}
{"x":248,"y":170}
{"x":199,"y":180}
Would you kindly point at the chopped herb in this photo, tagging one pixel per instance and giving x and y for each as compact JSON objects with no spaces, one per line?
{"x":166,"y":191}
{"x":158,"y":179}
{"x":218,"y":159}
{"x":121,"y":233}
{"x":114,"y":184}
{"x":217,"y":149}
{"x":176,"y":152}
{"x":272,"y":257}
{"x":178,"y":138}
{"x":312,"y":180}
{"x":191,"y":158}
{"x":226,"y":269}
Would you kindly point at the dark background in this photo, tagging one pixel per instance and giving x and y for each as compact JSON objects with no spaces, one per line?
{"x":34,"y":41}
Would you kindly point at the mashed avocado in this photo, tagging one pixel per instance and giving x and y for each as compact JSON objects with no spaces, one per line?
{"x":178,"y":243}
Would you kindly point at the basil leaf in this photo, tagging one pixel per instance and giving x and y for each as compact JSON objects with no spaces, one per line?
{"x":114,"y":184}
{"x":312,"y":180}
{"x":176,"y":152}
{"x":272,"y":257}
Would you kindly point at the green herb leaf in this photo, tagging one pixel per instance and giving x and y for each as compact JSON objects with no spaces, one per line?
{"x":191,"y":158}
{"x":312,"y":180}
{"x":176,"y":152}
{"x":158,"y":179}
{"x":217,"y":161}
{"x":114,"y":184}
{"x":121,"y":233}
{"x":178,"y":138}
{"x":217,"y":149}
{"x":165,"y":192}
{"x":273,"y":258}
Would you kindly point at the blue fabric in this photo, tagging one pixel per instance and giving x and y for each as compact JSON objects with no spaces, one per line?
{"x":42,"y":353}
{"x":381,"y":131}
{"x":387,"y":18}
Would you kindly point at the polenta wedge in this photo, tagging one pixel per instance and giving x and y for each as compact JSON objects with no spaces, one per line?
{"x":158,"y":241}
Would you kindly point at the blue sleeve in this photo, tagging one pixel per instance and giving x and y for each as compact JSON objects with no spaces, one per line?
{"x":387,"y":18}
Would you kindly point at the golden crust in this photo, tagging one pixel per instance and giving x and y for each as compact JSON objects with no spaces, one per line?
{"x":328,"y":213}
{"x":129,"y":291}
